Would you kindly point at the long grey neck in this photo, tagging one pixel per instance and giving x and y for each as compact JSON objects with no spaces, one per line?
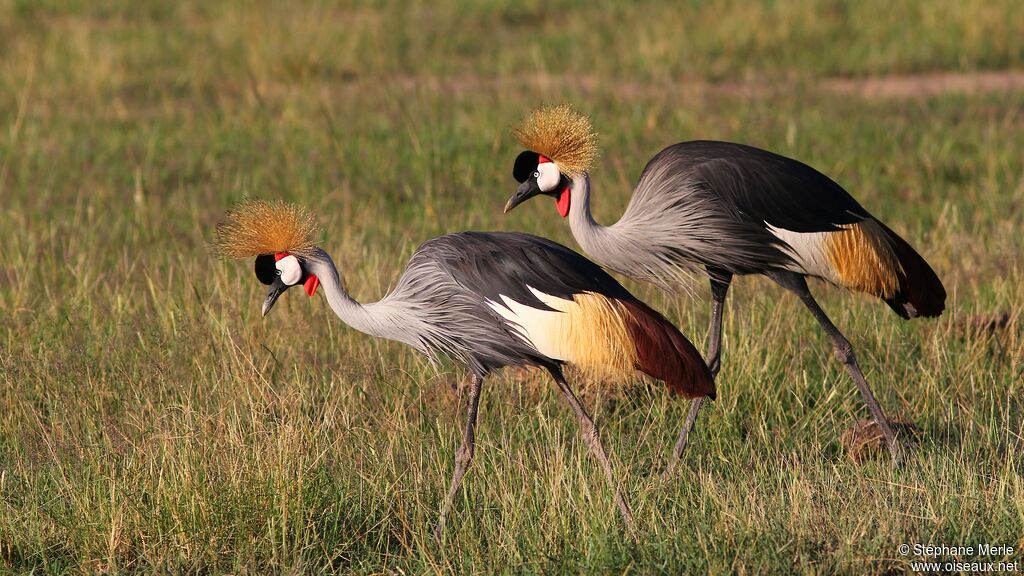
{"x":591,"y":236}
{"x":361,"y":317}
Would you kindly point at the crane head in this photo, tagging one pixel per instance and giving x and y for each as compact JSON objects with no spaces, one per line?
{"x":537,"y":174}
{"x":281,"y":271}
{"x":560,"y":145}
{"x":282,"y":237}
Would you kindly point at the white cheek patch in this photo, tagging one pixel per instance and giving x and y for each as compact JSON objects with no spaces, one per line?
{"x":291,"y":271}
{"x":548,"y":176}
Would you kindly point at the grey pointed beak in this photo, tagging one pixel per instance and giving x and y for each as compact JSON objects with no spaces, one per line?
{"x":526,"y":190}
{"x":276,"y":289}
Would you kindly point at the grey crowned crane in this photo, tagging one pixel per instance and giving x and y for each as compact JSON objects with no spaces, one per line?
{"x":729,"y":209}
{"x":484,"y":300}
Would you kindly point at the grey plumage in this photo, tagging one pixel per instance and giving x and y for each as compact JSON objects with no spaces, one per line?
{"x":430,"y":312}
{"x":710,"y":203}
{"x":439,"y":304}
{"x":733,"y":209}
{"x":488,"y":300}
{"x":670,"y":227}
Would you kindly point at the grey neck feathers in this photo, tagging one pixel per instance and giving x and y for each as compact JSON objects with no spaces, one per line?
{"x":375,"y":318}
{"x":591,"y":236}
{"x":637,"y":246}
{"x":610,"y":246}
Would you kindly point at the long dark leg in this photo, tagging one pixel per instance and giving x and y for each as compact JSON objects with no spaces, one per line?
{"x":844,"y":353}
{"x":589,"y":431}
{"x":464,"y":455}
{"x":719,"y":289}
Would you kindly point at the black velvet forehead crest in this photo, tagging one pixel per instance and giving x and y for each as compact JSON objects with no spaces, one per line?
{"x":266,"y":270}
{"x":526,"y":164}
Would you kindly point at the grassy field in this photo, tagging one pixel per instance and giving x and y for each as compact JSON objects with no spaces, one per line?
{"x":150,"y":420}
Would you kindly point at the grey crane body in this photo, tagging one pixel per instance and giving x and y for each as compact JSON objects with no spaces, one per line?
{"x":442,"y":303}
{"x":429,"y":310}
{"x":489,"y":300}
{"x":706,"y":203}
{"x":728,"y":209}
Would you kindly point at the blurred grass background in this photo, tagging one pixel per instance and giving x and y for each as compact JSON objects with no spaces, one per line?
{"x":150,"y":420}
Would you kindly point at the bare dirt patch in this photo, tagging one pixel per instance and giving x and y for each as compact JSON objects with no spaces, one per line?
{"x":868,"y":87}
{"x":926,"y":85}
{"x":268,"y":93}
{"x":863,"y":440}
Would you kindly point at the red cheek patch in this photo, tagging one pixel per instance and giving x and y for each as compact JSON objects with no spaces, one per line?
{"x":279,"y":256}
{"x":563,"y":202}
{"x":311,"y":284}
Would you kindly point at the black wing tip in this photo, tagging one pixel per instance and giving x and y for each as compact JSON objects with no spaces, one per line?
{"x":921,"y":293}
{"x":923,"y":306}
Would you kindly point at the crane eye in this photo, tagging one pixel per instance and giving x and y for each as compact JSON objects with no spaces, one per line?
{"x":525,"y":161}
{"x":289,"y":269}
{"x":547,"y":176}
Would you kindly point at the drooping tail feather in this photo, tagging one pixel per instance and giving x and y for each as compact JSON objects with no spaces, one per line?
{"x":921,"y":292}
{"x":664,"y":353}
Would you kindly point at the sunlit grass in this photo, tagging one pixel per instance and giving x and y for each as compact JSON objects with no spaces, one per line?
{"x":151,"y":420}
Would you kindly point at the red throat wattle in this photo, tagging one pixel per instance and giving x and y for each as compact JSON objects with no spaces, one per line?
{"x":311,"y":284}
{"x":562,"y":203}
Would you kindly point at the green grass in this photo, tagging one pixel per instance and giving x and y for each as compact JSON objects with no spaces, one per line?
{"x":150,"y":420}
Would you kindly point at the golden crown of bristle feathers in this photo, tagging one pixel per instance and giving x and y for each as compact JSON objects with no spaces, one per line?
{"x":563,"y":135}
{"x":257,"y":227}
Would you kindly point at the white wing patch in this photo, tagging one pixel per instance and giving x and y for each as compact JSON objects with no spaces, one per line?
{"x":542,"y":329}
{"x":809,"y":251}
